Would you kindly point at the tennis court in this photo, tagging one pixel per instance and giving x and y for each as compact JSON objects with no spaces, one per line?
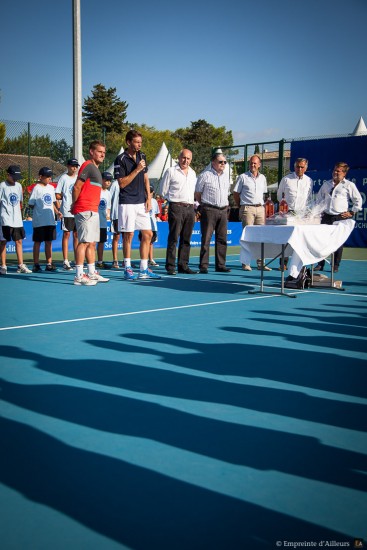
{"x":183,"y":413}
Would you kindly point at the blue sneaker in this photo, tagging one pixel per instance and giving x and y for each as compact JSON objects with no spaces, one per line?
{"x":148,"y":274}
{"x":129,"y":274}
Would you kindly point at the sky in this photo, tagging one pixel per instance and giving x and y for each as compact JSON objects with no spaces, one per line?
{"x":266,"y":71}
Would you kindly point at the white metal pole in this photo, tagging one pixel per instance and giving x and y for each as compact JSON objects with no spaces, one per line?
{"x":77,"y":84}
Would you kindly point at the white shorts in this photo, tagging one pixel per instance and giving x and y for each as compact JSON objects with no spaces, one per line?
{"x":133,"y":217}
{"x":87,"y":226}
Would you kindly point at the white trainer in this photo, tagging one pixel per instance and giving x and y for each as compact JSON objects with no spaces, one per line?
{"x":3,"y":270}
{"x":84,"y":280}
{"x":22,"y":268}
{"x":67,"y":267}
{"x":98,"y":278}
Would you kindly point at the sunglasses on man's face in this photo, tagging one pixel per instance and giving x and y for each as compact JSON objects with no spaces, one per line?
{"x":222,"y":162}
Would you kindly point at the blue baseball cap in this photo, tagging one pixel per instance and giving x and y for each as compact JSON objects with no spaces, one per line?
{"x":107,"y":176}
{"x":73,"y":162}
{"x":45,"y":171}
{"x":14,"y":172}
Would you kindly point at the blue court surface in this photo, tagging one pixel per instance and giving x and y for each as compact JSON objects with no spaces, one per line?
{"x":182,"y":414}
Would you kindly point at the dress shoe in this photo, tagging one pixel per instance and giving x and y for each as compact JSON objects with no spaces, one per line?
{"x":336,"y":269}
{"x":171,"y":272}
{"x":318,"y":268}
{"x":246,"y":267}
{"x":203,"y":270}
{"x":222,"y":270}
{"x":186,"y":271}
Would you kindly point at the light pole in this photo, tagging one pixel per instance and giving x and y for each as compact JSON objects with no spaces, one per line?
{"x":77,"y":84}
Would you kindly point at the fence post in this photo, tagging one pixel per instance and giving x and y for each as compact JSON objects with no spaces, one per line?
{"x":280,"y":159}
{"x":29,"y":153}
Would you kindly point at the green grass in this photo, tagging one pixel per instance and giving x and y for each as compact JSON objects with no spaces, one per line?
{"x":160,"y":253}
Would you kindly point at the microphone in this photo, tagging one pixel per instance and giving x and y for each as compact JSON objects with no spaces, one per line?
{"x":143,"y":157}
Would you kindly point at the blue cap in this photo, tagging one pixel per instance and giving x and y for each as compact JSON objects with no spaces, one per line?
{"x":14,"y":172}
{"x":47,"y":172}
{"x":107,"y":176}
{"x":73,"y":162}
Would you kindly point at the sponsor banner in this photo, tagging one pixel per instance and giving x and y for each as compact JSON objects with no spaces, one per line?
{"x":322,"y":155}
{"x":234,"y":233}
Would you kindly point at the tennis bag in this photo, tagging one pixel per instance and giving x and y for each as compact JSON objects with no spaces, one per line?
{"x":302,"y":281}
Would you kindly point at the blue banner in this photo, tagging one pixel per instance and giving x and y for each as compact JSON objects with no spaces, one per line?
{"x":322,"y":155}
{"x":234,"y":233}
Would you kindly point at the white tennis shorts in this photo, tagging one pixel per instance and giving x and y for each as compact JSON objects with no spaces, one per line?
{"x":133,"y":217}
{"x":87,"y":226}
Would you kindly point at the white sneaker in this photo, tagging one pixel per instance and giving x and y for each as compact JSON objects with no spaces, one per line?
{"x":153,"y":263}
{"x":148,"y":274}
{"x":67,"y":267}
{"x":22,"y":268}
{"x":84,"y":280}
{"x":98,"y":278}
{"x":3,"y":270}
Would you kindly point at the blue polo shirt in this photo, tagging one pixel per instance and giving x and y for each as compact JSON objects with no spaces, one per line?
{"x":135,"y":192}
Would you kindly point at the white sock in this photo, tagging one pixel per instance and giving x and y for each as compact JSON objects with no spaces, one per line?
{"x":143,"y":265}
{"x":127,"y":262}
{"x":91,"y":268}
{"x":79,"y":270}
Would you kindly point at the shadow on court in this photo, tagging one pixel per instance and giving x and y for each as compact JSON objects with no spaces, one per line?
{"x":215,"y":401}
{"x":136,"y":506}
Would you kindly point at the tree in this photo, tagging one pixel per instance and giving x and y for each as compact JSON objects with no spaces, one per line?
{"x":201,"y":138}
{"x":40,"y":146}
{"x":2,"y":134}
{"x":153,"y":139}
{"x":103,"y":109}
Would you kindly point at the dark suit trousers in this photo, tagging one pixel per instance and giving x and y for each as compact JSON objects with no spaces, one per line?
{"x":181,"y":221}
{"x":213,"y":219}
{"x":329,"y":220}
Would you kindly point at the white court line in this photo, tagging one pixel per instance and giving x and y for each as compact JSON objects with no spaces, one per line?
{"x":205,"y":304}
{"x":158,"y":310}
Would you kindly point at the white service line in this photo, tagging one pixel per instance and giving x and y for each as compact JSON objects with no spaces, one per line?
{"x":111,"y":316}
{"x":158,"y":310}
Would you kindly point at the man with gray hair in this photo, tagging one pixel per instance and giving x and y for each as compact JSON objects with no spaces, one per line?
{"x":297,"y":190}
{"x":212,"y":190}
{"x":297,"y":187}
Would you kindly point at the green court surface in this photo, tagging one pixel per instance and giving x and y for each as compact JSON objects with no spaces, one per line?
{"x":183,"y":413}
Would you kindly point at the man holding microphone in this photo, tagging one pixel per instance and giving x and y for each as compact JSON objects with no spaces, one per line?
{"x":131,"y":172}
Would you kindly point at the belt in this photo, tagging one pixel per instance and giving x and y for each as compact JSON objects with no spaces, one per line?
{"x":335,"y":217}
{"x":255,"y":205}
{"x":216,"y":207}
{"x":186,"y":204}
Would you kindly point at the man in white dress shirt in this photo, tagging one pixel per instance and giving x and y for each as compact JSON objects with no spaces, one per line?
{"x":248,"y":195}
{"x":178,"y":187}
{"x":212,"y":190}
{"x":297,"y":188}
{"x":342,"y":200}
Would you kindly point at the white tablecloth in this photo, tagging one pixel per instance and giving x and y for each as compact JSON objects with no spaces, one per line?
{"x":312,"y":243}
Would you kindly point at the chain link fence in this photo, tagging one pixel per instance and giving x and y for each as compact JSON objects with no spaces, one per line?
{"x":32,"y":146}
